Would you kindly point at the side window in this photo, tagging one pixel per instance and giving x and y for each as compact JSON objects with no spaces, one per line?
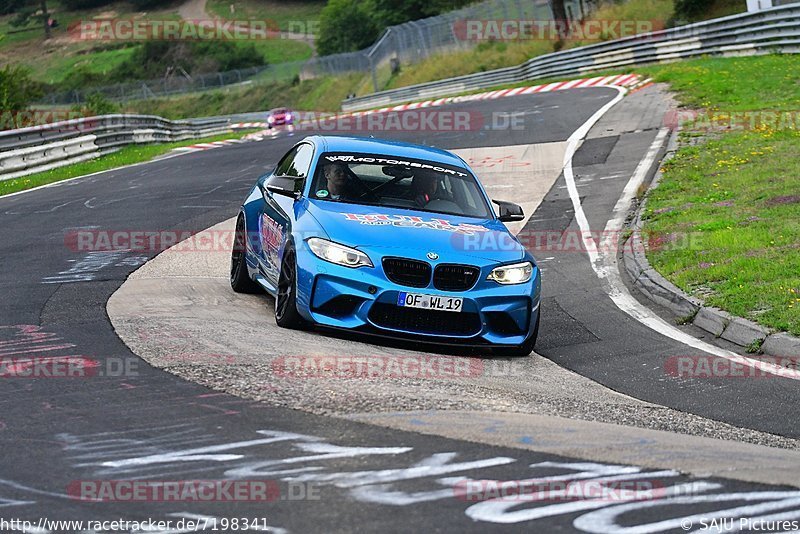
{"x":286,"y":162}
{"x":302,"y":162}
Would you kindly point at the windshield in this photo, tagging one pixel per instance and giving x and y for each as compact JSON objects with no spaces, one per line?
{"x":398,"y":183}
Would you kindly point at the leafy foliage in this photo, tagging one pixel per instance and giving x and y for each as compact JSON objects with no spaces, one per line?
{"x":96,"y":104}
{"x":345,"y":26}
{"x":349,"y":25}
{"x":166,"y":59}
{"x":17,"y":89}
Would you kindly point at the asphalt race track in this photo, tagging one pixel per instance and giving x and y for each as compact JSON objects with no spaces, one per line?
{"x":131,"y":421}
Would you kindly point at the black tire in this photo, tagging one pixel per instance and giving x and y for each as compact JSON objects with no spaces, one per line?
{"x":240,"y":279}
{"x":523,"y":349}
{"x":286,"y":314}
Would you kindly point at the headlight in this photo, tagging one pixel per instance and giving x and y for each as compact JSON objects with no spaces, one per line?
{"x":339,"y":254}
{"x":288,"y":116}
{"x":519,"y":273}
{"x":270,"y":119}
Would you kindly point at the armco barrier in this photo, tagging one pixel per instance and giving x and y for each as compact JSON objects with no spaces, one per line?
{"x":771,"y":30}
{"x":41,"y":148}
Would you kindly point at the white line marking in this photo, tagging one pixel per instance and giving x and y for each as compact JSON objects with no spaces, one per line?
{"x":604,"y":263}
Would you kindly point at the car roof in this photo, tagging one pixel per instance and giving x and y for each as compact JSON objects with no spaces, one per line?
{"x":370,"y":145}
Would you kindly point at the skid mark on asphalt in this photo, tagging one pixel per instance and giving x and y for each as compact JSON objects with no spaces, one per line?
{"x":90,"y":266}
{"x":494,"y":489}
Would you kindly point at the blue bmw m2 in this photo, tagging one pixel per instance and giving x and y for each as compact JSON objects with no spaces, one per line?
{"x":389,"y":239}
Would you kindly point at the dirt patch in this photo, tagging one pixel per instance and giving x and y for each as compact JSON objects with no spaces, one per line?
{"x":788,"y":199}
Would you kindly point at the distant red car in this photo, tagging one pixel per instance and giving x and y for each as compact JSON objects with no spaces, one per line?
{"x":279,"y":117}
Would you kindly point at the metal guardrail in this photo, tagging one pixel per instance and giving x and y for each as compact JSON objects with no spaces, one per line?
{"x":40,"y":148}
{"x":771,"y":30}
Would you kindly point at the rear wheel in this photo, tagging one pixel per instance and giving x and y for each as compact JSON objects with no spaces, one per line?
{"x":286,"y":314}
{"x":525,"y":348}
{"x":240,"y":279}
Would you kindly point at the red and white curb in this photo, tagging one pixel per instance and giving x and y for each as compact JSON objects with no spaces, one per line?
{"x":630,"y":81}
{"x":249,"y":125}
{"x":206,"y":146}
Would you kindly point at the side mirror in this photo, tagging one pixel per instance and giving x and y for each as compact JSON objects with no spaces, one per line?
{"x":508,"y":211}
{"x":288,"y":186}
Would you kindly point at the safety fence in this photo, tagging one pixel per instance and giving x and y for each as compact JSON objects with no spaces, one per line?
{"x":775,"y":30}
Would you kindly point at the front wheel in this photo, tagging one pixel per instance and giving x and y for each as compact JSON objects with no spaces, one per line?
{"x":286,"y":314}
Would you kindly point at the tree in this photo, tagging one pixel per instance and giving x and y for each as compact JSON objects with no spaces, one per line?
{"x":33,"y":12}
{"x":690,"y":9}
{"x":17,"y":89}
{"x":9,"y":6}
{"x":346,"y":26}
{"x":560,"y":16}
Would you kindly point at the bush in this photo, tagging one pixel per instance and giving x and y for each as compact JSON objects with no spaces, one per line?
{"x":345,"y":26}
{"x":690,"y":9}
{"x":17,"y":89}
{"x":96,"y":104}
{"x":350,"y":25}
{"x":155,"y":59}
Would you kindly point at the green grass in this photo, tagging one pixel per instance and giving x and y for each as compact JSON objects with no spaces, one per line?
{"x":494,"y":55}
{"x":96,"y":61}
{"x":319,"y":94}
{"x":281,"y":50}
{"x":734,"y":84}
{"x":725,"y":219}
{"x":125,"y":156}
{"x":288,"y":15}
{"x":485,"y":56}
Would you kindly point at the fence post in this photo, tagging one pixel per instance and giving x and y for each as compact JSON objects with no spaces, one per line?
{"x":374,"y":74}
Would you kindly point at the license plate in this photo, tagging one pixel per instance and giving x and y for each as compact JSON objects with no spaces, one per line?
{"x":429,"y":302}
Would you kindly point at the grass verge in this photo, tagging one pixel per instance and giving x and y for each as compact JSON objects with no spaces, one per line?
{"x":289,"y":15}
{"x":726,"y":215}
{"x":319,"y":94}
{"x":125,"y":156}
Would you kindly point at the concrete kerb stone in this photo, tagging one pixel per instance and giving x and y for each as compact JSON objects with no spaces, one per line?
{"x":737,"y":330}
{"x":781,"y":345}
{"x":745,"y":333}
{"x":712,"y":320}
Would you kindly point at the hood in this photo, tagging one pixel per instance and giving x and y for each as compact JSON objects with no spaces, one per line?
{"x":415,"y":233}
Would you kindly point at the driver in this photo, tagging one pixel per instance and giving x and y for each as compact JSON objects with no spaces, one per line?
{"x":340,"y":185}
{"x":425,"y":185}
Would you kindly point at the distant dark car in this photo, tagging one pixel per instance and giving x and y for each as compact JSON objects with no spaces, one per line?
{"x":279,"y":117}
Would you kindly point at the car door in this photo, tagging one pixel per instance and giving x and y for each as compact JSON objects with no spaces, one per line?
{"x":275,"y":221}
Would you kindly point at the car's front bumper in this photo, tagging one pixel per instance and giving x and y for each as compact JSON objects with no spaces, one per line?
{"x":364,"y":300}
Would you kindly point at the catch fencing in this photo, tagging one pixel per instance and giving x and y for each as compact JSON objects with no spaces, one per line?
{"x":775,"y":30}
